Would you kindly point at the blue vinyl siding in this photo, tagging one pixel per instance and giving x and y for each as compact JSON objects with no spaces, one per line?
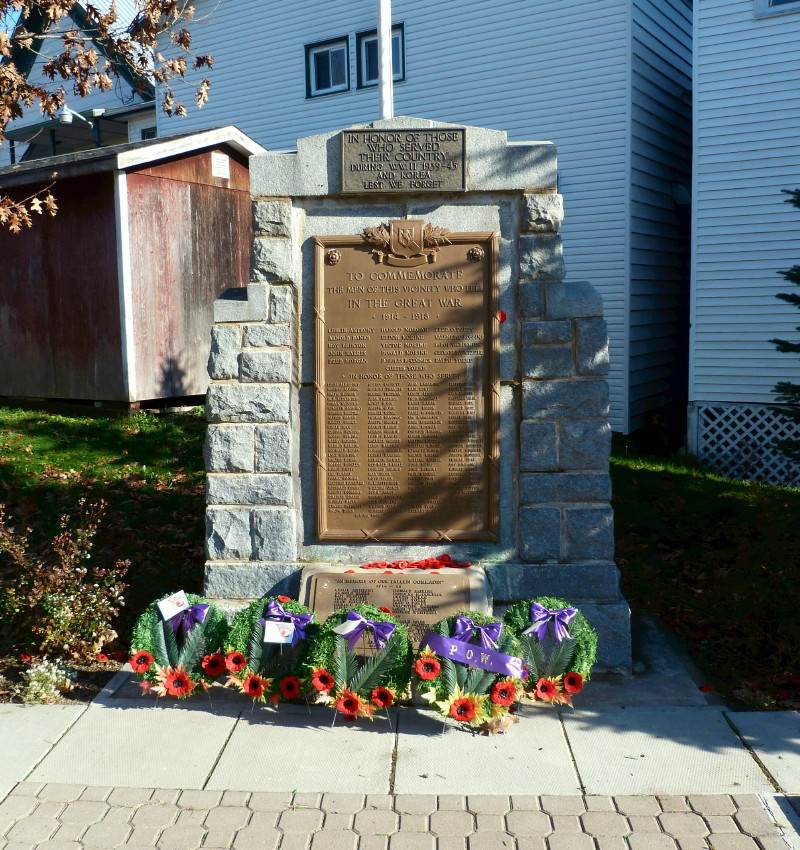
{"x":747,"y":113}
{"x":549,"y":71}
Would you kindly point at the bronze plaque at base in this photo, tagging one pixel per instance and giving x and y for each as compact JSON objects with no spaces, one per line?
{"x":407,"y":395}
{"x":429,"y":160}
{"x":418,"y":598}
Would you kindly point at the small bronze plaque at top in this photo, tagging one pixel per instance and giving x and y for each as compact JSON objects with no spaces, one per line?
{"x":429,"y":160}
{"x":407,"y":384}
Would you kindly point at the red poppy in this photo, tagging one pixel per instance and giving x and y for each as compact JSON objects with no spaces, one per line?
{"x":503,"y":693}
{"x":501,"y":316}
{"x":101,"y":657}
{"x":283,"y":599}
{"x":322,"y":680}
{"x":573,"y":683}
{"x":463,"y":710}
{"x":213,"y":665}
{"x":24,"y":657}
{"x":348,"y":703}
{"x":382,"y":697}
{"x":401,"y":565}
{"x":706,"y":689}
{"x":235,"y":661}
{"x":141,"y":661}
{"x":387,"y":572}
{"x":290,"y":687}
{"x":386,"y":610}
{"x":347,"y":572}
{"x":445,"y":559}
{"x":428,"y":668}
{"x":254,"y":686}
{"x":546,"y":690}
{"x":178,"y":683}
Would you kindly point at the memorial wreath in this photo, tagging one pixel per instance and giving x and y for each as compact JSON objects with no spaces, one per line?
{"x":357,"y":686}
{"x":558,"y":645}
{"x":470,"y":670}
{"x":267,"y":648}
{"x":176,"y":645}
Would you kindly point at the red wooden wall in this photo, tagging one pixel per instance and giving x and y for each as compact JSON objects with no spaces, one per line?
{"x":190,"y":238}
{"x":59,"y":308}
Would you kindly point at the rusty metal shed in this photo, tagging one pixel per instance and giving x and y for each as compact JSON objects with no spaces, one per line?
{"x":111,"y":300}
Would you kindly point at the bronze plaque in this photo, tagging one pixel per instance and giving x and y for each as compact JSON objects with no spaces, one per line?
{"x":418,"y":599}
{"x":430,"y":160}
{"x":407,"y":384}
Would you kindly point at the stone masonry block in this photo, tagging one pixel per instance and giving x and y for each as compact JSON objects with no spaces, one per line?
{"x":577,"y":582}
{"x":272,"y":449}
{"x":272,"y":217}
{"x":250,"y":580}
{"x":561,"y":399}
{"x":274,"y":536}
{"x":543,"y":487}
{"x":573,"y":300}
{"x":584,"y":444}
{"x":547,"y":362}
{"x":272,"y":489}
{"x":248,"y":403}
{"x":540,"y":534}
{"x":281,"y":304}
{"x":541,"y":257}
{"x":538,"y":451}
{"x":542,"y":213}
{"x":226,"y":340}
{"x":266,"y":367}
{"x":546,"y":333}
{"x":591,"y":346}
{"x":267,"y":335}
{"x":242,"y":304}
{"x":531,"y":299}
{"x":228,"y":534}
{"x":229,"y":448}
{"x":272,"y":260}
{"x":612,"y":622}
{"x":589,"y":534}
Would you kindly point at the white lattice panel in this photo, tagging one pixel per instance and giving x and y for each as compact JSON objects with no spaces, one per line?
{"x":738,"y":441}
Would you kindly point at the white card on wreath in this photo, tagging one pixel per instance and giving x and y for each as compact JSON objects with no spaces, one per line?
{"x":275,"y":632}
{"x":173,"y":605}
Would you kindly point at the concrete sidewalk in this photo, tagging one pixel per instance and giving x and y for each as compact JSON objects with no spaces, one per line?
{"x":653,"y":737}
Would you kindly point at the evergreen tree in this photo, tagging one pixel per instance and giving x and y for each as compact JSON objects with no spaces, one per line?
{"x":787,"y":392}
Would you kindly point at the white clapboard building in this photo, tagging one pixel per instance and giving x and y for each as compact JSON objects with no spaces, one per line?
{"x":125,"y":113}
{"x":747,"y":150}
{"x":609,"y":83}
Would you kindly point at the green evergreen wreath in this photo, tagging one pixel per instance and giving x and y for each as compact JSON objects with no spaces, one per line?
{"x":326,"y":653}
{"x":471,"y":695}
{"x":153,"y":636}
{"x":563,"y":666}
{"x":282,"y":664}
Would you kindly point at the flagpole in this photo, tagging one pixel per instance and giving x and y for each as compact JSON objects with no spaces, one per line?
{"x":385,"y":71}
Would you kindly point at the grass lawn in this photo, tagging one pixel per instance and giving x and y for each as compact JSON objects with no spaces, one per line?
{"x":715,"y":560}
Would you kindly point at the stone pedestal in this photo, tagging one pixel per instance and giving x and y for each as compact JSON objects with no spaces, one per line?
{"x":555,"y":519}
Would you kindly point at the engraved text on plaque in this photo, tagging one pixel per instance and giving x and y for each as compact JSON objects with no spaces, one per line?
{"x":406,"y":357}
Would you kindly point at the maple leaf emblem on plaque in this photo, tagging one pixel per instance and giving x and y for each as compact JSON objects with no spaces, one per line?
{"x":406,"y":242}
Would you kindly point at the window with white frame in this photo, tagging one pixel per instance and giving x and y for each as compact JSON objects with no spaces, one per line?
{"x":328,"y":67}
{"x":764,"y":8}
{"x":367,"y":47}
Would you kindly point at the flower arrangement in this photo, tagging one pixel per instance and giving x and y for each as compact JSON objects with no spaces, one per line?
{"x":354,"y":686}
{"x":558,"y":645}
{"x":469,"y":668}
{"x":181,"y":655}
{"x":260,"y":668}
{"x":436,"y":563}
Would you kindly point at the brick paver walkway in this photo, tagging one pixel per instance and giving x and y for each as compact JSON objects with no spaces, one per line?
{"x":72,"y":817}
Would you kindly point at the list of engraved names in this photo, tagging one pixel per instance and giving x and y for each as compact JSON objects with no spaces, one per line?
{"x":406,"y":374}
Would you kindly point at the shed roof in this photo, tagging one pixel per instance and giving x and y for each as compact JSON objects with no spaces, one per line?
{"x":124,"y":157}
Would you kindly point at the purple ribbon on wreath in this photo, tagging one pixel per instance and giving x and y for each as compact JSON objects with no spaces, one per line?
{"x":355,"y":625}
{"x":277,"y":613}
{"x":184,"y":621}
{"x":559,"y":619}
{"x":489,"y":634}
